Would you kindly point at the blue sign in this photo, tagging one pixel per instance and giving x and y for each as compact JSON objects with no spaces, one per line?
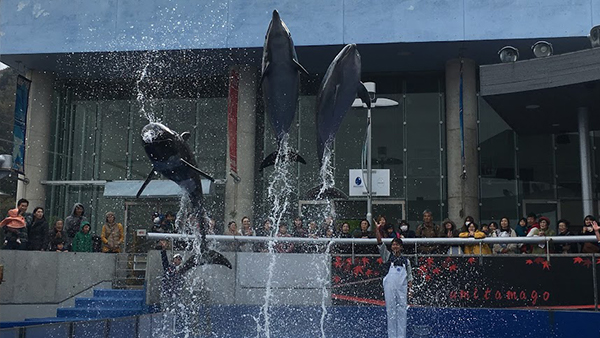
{"x":21,"y":105}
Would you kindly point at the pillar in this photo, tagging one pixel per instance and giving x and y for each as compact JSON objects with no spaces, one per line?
{"x":239,"y":195}
{"x":37,"y":139}
{"x":584,"y":155}
{"x":463,"y":187}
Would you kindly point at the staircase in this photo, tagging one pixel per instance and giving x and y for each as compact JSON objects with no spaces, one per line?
{"x":106,"y":303}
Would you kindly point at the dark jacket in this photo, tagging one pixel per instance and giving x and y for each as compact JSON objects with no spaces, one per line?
{"x":37,"y":233}
{"x":73,"y":223}
{"x":53,"y":235}
{"x":173,"y":276}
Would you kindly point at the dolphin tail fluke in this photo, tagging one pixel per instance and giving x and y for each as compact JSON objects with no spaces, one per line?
{"x":146,"y":182}
{"x":291,"y":156}
{"x":213,"y":257}
{"x":363,"y":94}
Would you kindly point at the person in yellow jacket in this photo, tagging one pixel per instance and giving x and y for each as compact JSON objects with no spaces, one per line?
{"x":112,"y":234}
{"x":475,"y":249}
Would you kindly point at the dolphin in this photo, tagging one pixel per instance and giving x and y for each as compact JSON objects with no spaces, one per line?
{"x":280,"y":82}
{"x":339,"y":88}
{"x":171,"y":157}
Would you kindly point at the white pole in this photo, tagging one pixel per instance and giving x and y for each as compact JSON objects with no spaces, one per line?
{"x":369,"y":172}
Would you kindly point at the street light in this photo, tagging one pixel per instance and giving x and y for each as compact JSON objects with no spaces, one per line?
{"x":375,"y":102}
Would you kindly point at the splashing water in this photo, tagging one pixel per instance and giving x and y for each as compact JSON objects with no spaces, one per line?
{"x":324,"y":284}
{"x":279,"y":191}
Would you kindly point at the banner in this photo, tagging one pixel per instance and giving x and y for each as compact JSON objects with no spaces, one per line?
{"x":473,"y":281}
{"x":232,"y":111}
{"x":21,"y":105}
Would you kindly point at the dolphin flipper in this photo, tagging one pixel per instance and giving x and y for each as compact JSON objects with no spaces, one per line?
{"x":264,"y":73}
{"x":300,"y":68}
{"x":270,"y":160}
{"x":202,"y":173}
{"x":363,"y":94}
{"x":145,"y":184}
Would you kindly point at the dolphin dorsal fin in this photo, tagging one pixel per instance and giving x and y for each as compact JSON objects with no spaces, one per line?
{"x":186,"y":135}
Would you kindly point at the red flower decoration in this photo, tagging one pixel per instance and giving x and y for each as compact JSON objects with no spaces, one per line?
{"x":546,"y":265}
{"x":369,"y":273}
{"x":577,"y":260}
{"x":365,"y":261}
{"x":587,"y":262}
{"x":380,"y":260}
{"x":453,"y":267}
{"x":358,"y":270}
{"x":429,"y":261}
{"x":336,"y":279}
{"x":539,"y":260}
{"x":436,"y":271}
{"x":471,"y":260}
{"x":338,"y":264}
{"x":529,"y":262}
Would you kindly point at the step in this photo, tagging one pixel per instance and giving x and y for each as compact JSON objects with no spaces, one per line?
{"x":109,"y":303}
{"x":119,"y":293}
{"x":97,"y":313}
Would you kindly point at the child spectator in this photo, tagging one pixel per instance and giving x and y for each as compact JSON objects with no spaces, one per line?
{"x":15,"y":229}
{"x":83,"y":239}
{"x":57,"y":232}
{"x":59,"y":246}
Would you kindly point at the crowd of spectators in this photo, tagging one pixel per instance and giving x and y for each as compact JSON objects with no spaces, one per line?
{"x":31,"y":231}
{"x":527,"y":227}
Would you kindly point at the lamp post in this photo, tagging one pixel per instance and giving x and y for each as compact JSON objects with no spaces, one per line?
{"x":375,"y":102}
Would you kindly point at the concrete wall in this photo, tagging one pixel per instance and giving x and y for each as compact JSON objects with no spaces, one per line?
{"x":36,"y":283}
{"x":114,"y":25}
{"x":297,"y":279}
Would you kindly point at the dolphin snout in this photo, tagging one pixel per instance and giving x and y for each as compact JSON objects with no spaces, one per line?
{"x":276,"y":15}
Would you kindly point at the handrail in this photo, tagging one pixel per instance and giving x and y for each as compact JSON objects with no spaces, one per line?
{"x":450,"y":241}
{"x":68,"y":297}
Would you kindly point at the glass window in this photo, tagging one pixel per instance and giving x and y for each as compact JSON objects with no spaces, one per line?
{"x":568,"y":166}
{"x":536,"y":166}
{"x":83,"y":136}
{"x":114,"y":131}
{"x":498,"y":184}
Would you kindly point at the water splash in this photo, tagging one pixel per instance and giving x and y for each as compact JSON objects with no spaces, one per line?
{"x":325,"y":282}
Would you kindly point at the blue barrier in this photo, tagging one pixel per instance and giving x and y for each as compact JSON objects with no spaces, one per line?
{"x":340,"y":322}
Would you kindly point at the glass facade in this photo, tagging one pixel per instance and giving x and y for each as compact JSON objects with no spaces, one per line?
{"x":95,"y":136}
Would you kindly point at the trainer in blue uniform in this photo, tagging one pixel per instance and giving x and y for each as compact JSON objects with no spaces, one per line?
{"x":396,"y":285}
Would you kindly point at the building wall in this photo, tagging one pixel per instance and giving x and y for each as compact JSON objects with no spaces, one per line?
{"x":113,"y":25}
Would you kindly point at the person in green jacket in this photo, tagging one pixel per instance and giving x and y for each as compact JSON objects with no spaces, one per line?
{"x":83,"y":239}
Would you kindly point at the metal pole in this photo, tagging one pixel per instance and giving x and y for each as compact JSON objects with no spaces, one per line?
{"x":369,"y":173}
{"x":595,"y":281}
{"x":584,"y":157}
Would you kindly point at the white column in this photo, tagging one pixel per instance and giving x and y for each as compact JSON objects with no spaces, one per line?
{"x":584,"y":155}
{"x":37,"y":139}
{"x":463,"y":193}
{"x":239,"y":197}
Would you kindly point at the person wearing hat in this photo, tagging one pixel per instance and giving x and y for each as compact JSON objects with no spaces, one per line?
{"x":396,"y":285}
{"x":172,"y":281}
{"x":15,"y":228}
{"x":83,"y":239}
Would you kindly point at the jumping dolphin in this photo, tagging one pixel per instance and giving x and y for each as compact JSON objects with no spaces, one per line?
{"x":171,"y":156}
{"x":280,"y":83}
{"x":336,"y":94}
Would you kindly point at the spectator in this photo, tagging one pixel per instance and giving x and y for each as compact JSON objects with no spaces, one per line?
{"x":466,"y":223}
{"x":390,"y":232}
{"x":485,"y":229}
{"x":59,"y":245}
{"x":313,"y":230}
{"x":158,"y":223}
{"x":37,"y":232}
{"x":265,"y":231}
{"x":169,"y":222}
{"x":474,"y":249}
{"x":211,"y":227}
{"x":521,"y":230}
{"x":345,"y":232}
{"x":428,"y":230}
{"x":531,"y":222}
{"x":396,"y":285}
{"x":283,"y":247}
{"x":405,"y":232}
{"x":232,"y":230}
{"x":83,"y":240}
{"x":542,"y":230}
{"x":381,"y":223}
{"x":449,"y":231}
{"x":363,"y":230}
{"x":112,"y":234}
{"x":57,"y":232}
{"x":73,"y":223}
{"x":299,"y":230}
{"x":15,"y":228}
{"x":329,"y":233}
{"x":493,"y":229}
{"x":588,"y":229}
{"x":563,"y":230}
{"x":504,"y":231}
{"x":247,"y":230}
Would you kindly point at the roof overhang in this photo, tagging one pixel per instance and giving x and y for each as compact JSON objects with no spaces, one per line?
{"x":543,"y":95}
